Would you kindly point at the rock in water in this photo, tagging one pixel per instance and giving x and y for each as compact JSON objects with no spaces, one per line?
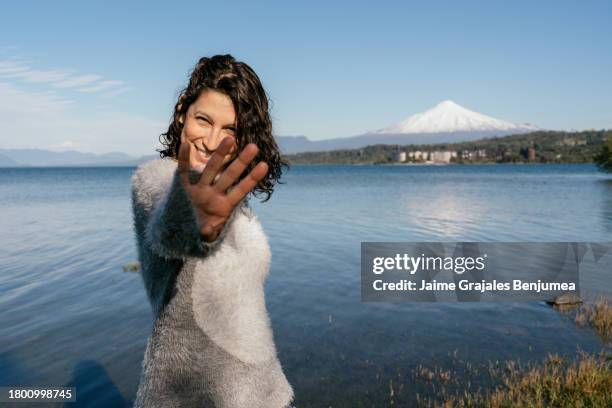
{"x":565,"y":299}
{"x":131,"y":267}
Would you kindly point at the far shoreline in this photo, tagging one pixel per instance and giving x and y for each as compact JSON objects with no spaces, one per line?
{"x":442,"y":164}
{"x":87,"y":166}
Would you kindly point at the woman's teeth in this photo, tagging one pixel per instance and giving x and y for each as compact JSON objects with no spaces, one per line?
{"x":204,"y":156}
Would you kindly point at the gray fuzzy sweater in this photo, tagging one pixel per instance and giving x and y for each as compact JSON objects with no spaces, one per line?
{"x":211,"y":344}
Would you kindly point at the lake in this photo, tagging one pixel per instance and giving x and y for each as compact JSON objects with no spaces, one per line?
{"x":71,"y":316}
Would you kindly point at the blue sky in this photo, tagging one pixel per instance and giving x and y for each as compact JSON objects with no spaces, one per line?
{"x":104,"y":77}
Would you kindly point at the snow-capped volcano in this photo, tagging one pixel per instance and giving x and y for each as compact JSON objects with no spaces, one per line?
{"x":449,"y":117}
{"x":446,"y":122}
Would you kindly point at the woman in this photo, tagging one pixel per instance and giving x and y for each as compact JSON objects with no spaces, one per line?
{"x":203,"y":254}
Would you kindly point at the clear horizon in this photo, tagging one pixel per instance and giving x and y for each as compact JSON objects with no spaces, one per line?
{"x":103,"y":78}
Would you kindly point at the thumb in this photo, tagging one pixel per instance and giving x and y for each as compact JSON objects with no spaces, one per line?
{"x":183,"y":160}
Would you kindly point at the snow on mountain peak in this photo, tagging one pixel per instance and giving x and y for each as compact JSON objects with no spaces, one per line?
{"x":447,"y":116}
{"x":447,"y":104}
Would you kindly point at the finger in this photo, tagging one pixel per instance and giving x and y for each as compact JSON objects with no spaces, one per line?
{"x":184,"y":155}
{"x":233,"y":172}
{"x":248,"y":183}
{"x":194,"y":162}
{"x":207,"y":230}
{"x":216,"y":160}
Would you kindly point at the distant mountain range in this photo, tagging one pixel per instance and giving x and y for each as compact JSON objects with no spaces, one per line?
{"x":447,"y":122}
{"x":47,"y":158}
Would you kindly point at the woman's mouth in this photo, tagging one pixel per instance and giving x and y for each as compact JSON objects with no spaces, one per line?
{"x":203,"y":155}
{"x":202,"y":158}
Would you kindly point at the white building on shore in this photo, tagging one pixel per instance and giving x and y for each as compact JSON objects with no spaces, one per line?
{"x":441,"y":156}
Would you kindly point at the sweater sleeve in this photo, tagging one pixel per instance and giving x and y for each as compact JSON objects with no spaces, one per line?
{"x":171,"y":228}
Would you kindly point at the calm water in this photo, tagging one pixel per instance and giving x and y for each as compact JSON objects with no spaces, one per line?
{"x":70,"y":315}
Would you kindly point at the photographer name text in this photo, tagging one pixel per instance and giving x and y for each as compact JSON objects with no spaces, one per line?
{"x":466,"y":285}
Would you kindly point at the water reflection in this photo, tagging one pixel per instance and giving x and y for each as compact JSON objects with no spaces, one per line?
{"x":606,"y":203}
{"x":444,"y":214}
{"x":94,"y":388}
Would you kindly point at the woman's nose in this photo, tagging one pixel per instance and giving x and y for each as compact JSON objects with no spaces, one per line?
{"x":213,"y":140}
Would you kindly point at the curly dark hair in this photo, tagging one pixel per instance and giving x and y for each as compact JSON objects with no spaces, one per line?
{"x":238,"y":81}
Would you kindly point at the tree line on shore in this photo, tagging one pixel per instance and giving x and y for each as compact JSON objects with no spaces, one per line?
{"x":592,"y":146}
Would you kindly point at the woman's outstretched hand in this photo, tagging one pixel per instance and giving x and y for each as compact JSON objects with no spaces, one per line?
{"x":211,"y":196}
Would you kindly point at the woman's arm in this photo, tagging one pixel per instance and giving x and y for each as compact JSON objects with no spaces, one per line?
{"x":162,"y":207}
{"x":173,"y":230}
{"x":163,"y":224}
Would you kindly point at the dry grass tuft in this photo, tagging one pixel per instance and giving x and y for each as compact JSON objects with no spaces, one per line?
{"x":598,"y":316}
{"x":557,"y":382}
{"x":585,"y":382}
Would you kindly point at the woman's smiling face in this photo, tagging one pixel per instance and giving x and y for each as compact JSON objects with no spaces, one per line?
{"x":209,"y":119}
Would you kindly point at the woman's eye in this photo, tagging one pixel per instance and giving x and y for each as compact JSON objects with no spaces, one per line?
{"x":202,"y":118}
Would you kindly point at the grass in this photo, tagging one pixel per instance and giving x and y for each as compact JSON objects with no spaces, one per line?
{"x":598,"y":316}
{"x":584,"y":382}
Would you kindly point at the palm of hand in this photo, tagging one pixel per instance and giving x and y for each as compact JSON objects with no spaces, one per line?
{"x":216,"y":194}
